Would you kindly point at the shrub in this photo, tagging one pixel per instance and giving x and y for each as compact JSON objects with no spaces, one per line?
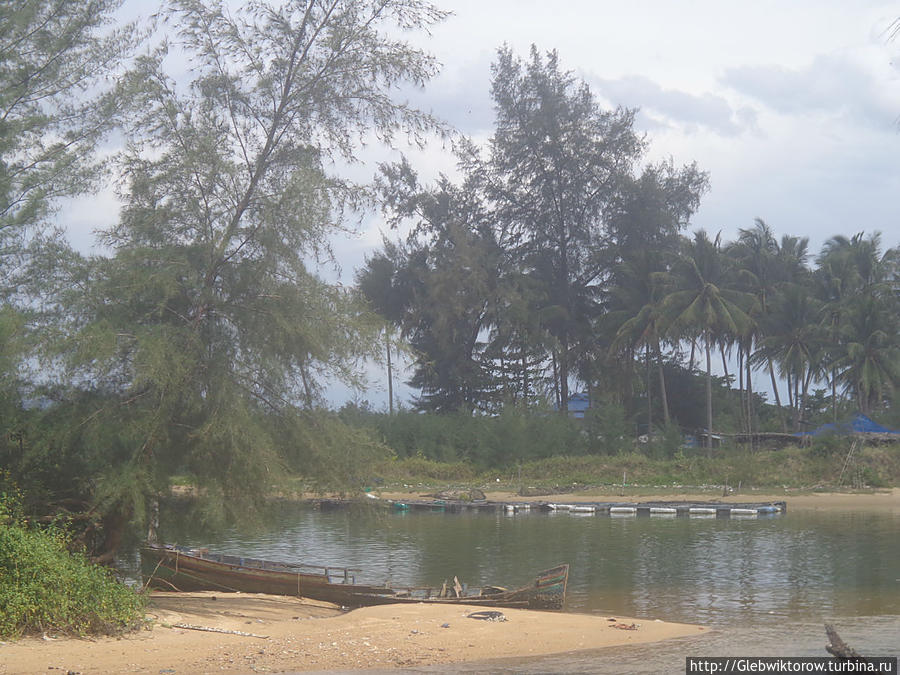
{"x":44,"y":587}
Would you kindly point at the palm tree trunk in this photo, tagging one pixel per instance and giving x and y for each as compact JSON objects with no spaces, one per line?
{"x":777,"y":397}
{"x":750,"y":410}
{"x":833,"y":396}
{"x":564,"y":376}
{"x":724,"y":362}
{"x":744,"y":400}
{"x":390,"y":371}
{"x":806,"y":382}
{"x":662,"y":385}
{"x":649,"y":390}
{"x":524,"y":375}
{"x":709,"y":415}
{"x":790,"y":391}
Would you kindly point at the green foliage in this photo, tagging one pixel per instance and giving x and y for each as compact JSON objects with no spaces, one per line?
{"x":419,"y":467}
{"x":608,"y":429}
{"x":515,"y":435}
{"x":198,"y":341}
{"x":44,"y":587}
{"x":54,"y":53}
{"x":331,"y":454}
{"x":656,"y":469}
{"x":505,"y":272}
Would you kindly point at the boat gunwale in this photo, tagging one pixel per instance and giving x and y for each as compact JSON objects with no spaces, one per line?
{"x":550,"y":596}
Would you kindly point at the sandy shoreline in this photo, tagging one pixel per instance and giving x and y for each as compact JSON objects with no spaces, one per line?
{"x":887,"y":499}
{"x":290,"y":634}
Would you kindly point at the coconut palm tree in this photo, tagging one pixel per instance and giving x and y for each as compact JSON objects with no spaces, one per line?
{"x":635,"y":307}
{"x":870,"y":365}
{"x":793,"y":339}
{"x":701,"y":301}
{"x":755,"y":254}
{"x":856,"y":284}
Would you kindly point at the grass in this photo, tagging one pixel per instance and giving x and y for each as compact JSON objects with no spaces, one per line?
{"x":808,"y":468}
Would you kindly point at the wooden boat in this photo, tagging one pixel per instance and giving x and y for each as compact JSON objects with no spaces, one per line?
{"x":176,"y":568}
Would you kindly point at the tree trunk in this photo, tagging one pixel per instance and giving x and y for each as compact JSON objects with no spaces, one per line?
{"x":556,"y":380}
{"x":806,"y":382}
{"x":790,"y":391}
{"x":745,"y":425}
{"x":662,"y":385}
{"x":709,"y":414}
{"x":564,"y":377}
{"x":306,"y":387}
{"x":777,"y":397}
{"x":649,"y":391}
{"x":724,"y":363}
{"x":390,"y":372}
{"x":524,"y":375}
{"x":750,"y":401}
{"x":833,"y":397}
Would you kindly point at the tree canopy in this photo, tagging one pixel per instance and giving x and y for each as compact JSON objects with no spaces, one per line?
{"x":198,"y":343}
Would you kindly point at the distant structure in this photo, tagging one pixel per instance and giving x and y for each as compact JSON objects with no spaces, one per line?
{"x":579,"y":403}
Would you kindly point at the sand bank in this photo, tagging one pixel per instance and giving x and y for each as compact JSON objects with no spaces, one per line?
{"x":882,"y":500}
{"x":298,"y":635}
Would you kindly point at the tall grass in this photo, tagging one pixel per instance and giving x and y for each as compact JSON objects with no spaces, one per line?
{"x":794,"y":467}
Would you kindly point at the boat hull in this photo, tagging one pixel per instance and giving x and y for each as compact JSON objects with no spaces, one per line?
{"x":176,"y":568}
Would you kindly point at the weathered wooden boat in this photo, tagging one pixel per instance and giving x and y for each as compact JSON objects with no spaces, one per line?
{"x":176,"y":568}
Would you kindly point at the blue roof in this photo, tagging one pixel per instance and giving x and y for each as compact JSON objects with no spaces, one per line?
{"x":860,"y":424}
{"x":579,"y":402}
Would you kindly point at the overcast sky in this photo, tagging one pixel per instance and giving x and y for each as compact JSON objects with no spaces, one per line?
{"x":792,"y":107}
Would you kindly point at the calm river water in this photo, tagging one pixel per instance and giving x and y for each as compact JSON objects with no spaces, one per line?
{"x":765,"y":585}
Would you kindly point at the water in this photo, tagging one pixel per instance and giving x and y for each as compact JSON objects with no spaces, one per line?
{"x":765,"y":584}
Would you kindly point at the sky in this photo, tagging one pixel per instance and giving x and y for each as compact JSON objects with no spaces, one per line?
{"x":793,"y":108}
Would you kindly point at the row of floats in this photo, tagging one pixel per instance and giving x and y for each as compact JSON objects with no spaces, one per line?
{"x":670,"y":511}
{"x":659,"y":509}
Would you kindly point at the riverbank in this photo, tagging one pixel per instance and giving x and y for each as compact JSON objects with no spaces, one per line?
{"x":290,"y":634}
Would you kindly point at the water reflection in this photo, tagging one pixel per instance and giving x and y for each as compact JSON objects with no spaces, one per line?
{"x":800,"y":566}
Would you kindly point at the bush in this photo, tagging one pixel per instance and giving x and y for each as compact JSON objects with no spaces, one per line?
{"x":419,"y":467}
{"x":44,"y":587}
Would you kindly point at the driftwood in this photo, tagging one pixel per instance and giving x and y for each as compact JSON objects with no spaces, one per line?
{"x":838,"y":648}
{"x":488,"y":616}
{"x":209,"y":629}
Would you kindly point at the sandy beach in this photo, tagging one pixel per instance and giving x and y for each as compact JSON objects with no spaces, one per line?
{"x":291,"y":634}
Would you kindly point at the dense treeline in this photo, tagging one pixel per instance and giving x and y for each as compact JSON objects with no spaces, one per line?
{"x":198,"y":341}
{"x":554,"y":261}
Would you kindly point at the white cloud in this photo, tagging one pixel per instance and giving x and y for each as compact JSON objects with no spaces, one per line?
{"x":833,"y":86}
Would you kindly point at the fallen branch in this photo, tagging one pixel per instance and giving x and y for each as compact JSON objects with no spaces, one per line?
{"x":209,"y":629}
{"x":837,"y":647}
